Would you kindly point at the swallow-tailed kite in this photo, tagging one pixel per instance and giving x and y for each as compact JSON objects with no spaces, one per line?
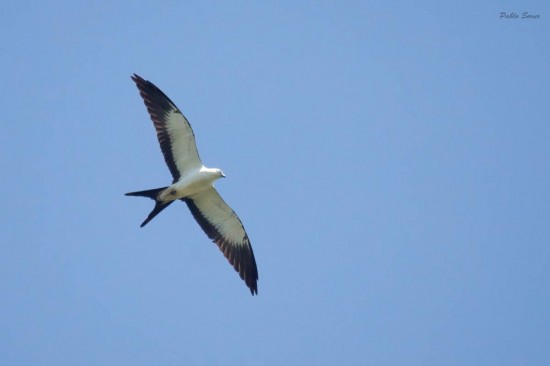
{"x":193,"y":184}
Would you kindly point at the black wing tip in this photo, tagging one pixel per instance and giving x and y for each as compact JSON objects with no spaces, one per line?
{"x":253,"y":288}
{"x":137,"y":78}
{"x":143,"y":84}
{"x":140,"y":82}
{"x":249,"y":274}
{"x":153,"y":97}
{"x":240,"y":256}
{"x":243,"y":262}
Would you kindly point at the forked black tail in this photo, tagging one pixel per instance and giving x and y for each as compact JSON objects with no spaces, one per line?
{"x":152,"y":194}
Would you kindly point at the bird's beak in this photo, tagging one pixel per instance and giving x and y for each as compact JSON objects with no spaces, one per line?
{"x":223,"y":176}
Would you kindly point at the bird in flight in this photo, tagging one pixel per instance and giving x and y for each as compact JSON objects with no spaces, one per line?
{"x":193,"y":184}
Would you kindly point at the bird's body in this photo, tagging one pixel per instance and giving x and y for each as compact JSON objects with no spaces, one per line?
{"x":193,"y":184}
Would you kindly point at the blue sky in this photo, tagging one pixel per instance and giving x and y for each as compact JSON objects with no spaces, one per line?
{"x":390,"y":162}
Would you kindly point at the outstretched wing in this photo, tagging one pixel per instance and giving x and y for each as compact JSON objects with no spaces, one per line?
{"x":174,"y":132}
{"x":223,"y":226}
